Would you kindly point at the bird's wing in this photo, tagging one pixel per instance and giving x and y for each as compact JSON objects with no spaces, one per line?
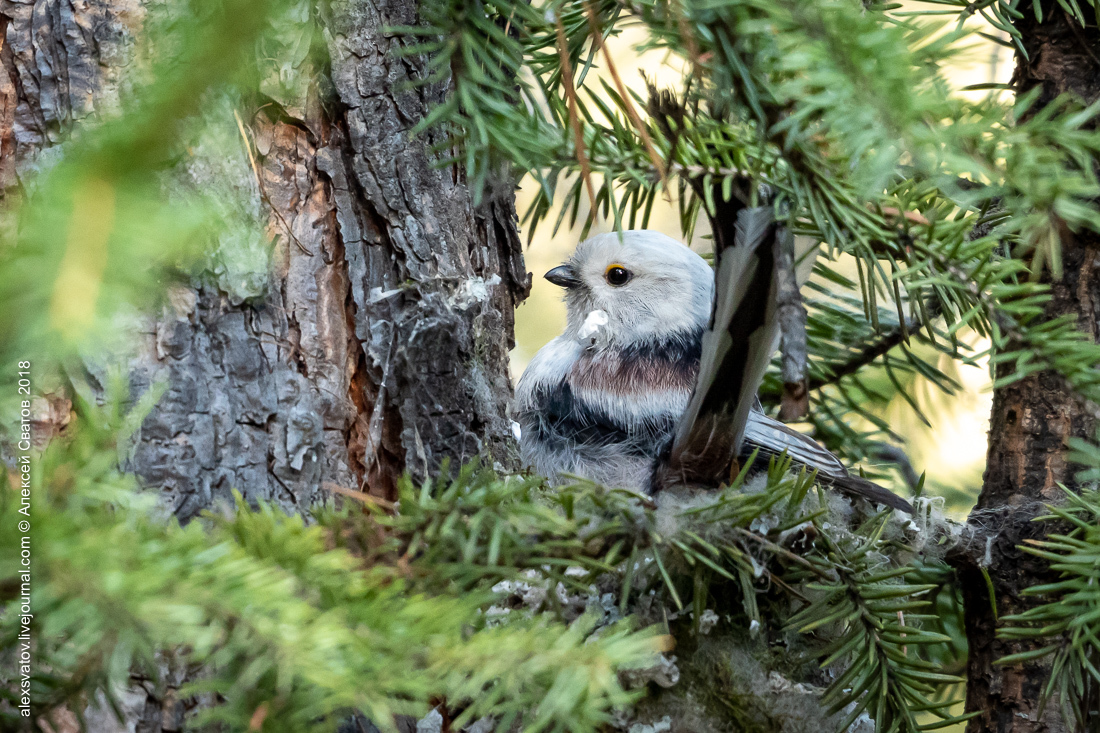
{"x":548,"y":368}
{"x":773,"y":438}
{"x":736,"y":350}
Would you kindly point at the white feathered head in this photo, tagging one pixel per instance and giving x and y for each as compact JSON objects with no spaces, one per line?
{"x":627,"y":287}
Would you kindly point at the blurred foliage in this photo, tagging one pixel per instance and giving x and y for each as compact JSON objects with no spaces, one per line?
{"x":292,"y":616}
{"x":273,"y":615}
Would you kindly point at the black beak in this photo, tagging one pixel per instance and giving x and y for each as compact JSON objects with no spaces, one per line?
{"x":563,"y":276}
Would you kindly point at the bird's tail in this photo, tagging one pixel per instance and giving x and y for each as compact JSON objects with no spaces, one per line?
{"x":773,"y":438}
{"x":858,"y":486}
{"x":736,"y":350}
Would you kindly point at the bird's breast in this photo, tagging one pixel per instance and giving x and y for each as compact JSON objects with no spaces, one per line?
{"x":639,"y":382}
{"x":622,"y":373}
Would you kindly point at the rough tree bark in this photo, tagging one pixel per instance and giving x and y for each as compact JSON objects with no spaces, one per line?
{"x":380,"y":342}
{"x":1030,"y":422}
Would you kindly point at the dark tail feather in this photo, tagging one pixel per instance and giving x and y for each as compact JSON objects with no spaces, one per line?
{"x":773,"y":438}
{"x":736,"y":350}
{"x":857,"y":486}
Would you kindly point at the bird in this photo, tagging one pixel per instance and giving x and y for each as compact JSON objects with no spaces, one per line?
{"x":653,"y":381}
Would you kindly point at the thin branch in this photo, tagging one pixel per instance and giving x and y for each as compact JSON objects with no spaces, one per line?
{"x":865,"y":356}
{"x":894,"y":454}
{"x":685,"y":32}
{"x":628,"y":106}
{"x":574,"y":119}
{"x":359,"y":496}
{"x":792,"y":325}
{"x":897,"y":335}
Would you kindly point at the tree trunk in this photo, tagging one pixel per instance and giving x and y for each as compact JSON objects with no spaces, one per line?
{"x":378,"y":345}
{"x":1030,"y":422}
{"x":382,"y":343}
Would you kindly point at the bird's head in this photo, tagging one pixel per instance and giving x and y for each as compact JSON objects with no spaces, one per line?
{"x":628,"y":287}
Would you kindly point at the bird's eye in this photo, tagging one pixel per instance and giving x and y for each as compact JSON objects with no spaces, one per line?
{"x":617,"y":275}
